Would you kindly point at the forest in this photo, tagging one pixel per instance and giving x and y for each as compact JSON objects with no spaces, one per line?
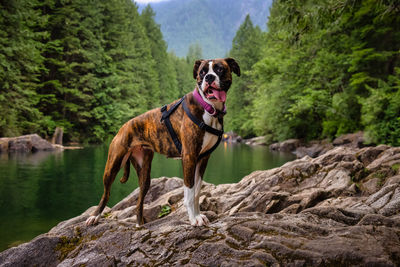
{"x":86,"y":66}
{"x":322,"y":68}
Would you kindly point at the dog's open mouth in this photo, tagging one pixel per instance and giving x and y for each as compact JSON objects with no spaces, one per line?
{"x":212,"y":93}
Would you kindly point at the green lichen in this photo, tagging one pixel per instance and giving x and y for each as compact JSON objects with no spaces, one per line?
{"x":396,"y":167}
{"x":381,"y":175}
{"x":165,"y":210}
{"x":66,"y":245}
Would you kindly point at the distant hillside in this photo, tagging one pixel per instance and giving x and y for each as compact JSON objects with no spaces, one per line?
{"x":211,"y":23}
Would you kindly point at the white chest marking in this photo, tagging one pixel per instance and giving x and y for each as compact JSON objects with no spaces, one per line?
{"x":209,"y":139}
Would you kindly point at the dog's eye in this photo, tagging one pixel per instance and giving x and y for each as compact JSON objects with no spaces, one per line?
{"x":202,"y":73}
{"x":219,"y":69}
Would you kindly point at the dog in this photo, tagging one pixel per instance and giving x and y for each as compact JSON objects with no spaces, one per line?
{"x":172,"y":131}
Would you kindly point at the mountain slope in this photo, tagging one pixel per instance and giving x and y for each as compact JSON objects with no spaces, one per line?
{"x":210,"y":23}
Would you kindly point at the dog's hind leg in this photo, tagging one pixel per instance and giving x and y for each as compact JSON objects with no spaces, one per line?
{"x":143,"y":158}
{"x":116,"y":153}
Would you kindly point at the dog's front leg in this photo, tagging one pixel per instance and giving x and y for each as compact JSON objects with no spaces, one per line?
{"x":191,"y":188}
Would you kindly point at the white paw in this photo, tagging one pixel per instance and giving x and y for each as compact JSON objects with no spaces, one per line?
{"x":92,"y":220}
{"x":199,"y":220}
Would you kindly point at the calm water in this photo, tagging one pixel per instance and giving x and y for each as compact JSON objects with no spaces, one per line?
{"x":39,"y":190}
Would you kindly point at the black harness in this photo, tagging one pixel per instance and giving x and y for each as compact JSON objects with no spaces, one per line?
{"x":165,"y":118}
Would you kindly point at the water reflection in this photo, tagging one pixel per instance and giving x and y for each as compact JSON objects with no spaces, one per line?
{"x":34,"y":158}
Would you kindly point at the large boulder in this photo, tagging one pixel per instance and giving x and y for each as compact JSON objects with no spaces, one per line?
{"x":25,"y":143}
{"x":352,"y":140}
{"x":256,"y":141}
{"x":289,"y":145}
{"x":316,"y":148}
{"x":339,"y":209}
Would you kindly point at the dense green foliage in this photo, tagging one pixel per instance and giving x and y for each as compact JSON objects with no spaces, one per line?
{"x":246,"y":49}
{"x":20,"y":65}
{"x":209,"y":23}
{"x":327,"y":68}
{"x":322,"y":69}
{"x":84,"y":65}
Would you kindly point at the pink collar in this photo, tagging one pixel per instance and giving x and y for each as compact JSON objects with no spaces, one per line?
{"x":209,"y":108}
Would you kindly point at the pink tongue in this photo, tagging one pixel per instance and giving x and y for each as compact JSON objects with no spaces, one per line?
{"x":219,"y":94}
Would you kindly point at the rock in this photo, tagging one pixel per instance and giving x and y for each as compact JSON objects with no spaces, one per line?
{"x":371,"y":186}
{"x":256,"y":141}
{"x":353,"y":140}
{"x":316,"y":148}
{"x":313,"y":149}
{"x":25,"y":143}
{"x":4,"y":144}
{"x":325,"y":211}
{"x":286,"y":146}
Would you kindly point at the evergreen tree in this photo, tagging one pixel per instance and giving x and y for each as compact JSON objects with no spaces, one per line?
{"x":194,"y":53}
{"x":84,"y":65}
{"x":323,"y":62}
{"x":163,"y":66}
{"x":20,"y":64}
{"x":246,"y":49}
{"x":183,"y":71}
{"x":71,"y":54}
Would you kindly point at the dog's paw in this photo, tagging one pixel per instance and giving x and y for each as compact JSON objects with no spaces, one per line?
{"x":92,"y":220}
{"x":199,"y":220}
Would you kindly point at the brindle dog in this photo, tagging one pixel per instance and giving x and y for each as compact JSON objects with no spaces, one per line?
{"x":140,"y":137}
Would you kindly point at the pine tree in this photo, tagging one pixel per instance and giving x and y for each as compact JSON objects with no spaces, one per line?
{"x":163,"y":65}
{"x":183,"y":71}
{"x":20,"y":66}
{"x":324,"y":64}
{"x":246,"y":49}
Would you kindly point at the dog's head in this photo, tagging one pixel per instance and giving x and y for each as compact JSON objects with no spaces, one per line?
{"x":214,"y":77}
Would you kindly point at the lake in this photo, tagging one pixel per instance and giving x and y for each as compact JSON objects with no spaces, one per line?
{"x":39,"y":190}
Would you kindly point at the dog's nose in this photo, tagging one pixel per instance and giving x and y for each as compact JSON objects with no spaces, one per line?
{"x":209,"y":78}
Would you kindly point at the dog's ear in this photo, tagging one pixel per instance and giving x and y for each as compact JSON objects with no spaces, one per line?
{"x":233,"y":65}
{"x":196,"y":67}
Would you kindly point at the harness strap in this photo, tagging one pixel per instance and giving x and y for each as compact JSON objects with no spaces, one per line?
{"x":201,"y":124}
{"x":208,"y":152}
{"x":165,"y":118}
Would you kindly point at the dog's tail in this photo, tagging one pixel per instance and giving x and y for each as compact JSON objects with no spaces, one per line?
{"x":126,"y":165}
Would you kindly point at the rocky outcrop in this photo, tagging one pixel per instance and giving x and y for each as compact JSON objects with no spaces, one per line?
{"x":255,"y":141}
{"x":25,"y":143}
{"x":353,"y":140}
{"x":339,"y":209}
{"x":313,"y":149}
{"x":29,"y":143}
{"x":286,"y":146}
{"x":318,"y":147}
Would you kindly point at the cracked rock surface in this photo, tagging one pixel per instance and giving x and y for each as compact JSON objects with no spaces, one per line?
{"x":339,"y":209}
